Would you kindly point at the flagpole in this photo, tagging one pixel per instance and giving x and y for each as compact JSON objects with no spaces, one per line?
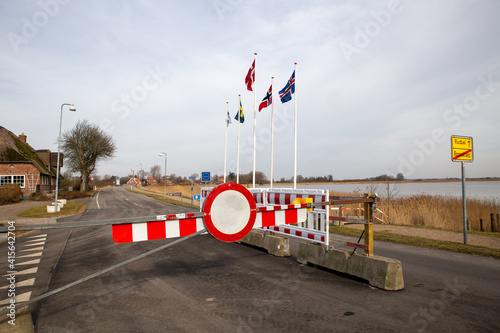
{"x":238,"y":154}
{"x":295,"y":131}
{"x":225,"y":140}
{"x":272,"y":132}
{"x":254,"y":117}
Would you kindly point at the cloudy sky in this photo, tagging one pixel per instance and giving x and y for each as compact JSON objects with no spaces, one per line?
{"x":380,"y":85}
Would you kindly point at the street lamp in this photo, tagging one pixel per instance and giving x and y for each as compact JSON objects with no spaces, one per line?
{"x":140,"y":171}
{"x":72,"y":107}
{"x":165,"y":177}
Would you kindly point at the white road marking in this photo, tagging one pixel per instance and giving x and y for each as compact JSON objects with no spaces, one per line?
{"x":19,"y":298}
{"x":40,"y":248}
{"x":36,"y":244}
{"x":97,"y":200}
{"x":26,"y":271}
{"x":38,"y":254}
{"x":31,"y":262}
{"x":25,"y":283}
{"x":38,"y":236}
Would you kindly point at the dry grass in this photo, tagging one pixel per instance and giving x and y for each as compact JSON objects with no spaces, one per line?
{"x":433,"y":211}
{"x":184,"y":189}
{"x":439,"y":211}
{"x":41,"y":211}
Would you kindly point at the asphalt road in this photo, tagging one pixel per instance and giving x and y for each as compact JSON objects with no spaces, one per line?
{"x":205,"y":285}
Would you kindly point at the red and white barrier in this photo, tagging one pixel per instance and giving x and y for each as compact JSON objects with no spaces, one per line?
{"x":166,"y":226}
{"x":180,"y":225}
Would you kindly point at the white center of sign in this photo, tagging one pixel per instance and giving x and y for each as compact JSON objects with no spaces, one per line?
{"x":230,"y":212}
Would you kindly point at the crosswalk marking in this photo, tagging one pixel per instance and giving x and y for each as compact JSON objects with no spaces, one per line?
{"x":24,"y":283}
{"x":19,"y":298}
{"x":31,"y":262}
{"x":40,"y":248}
{"x":38,"y":254}
{"x":39,"y":243}
{"x":32,"y":270}
{"x":31,"y":249}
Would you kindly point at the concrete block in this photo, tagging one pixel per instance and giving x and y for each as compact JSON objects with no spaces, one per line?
{"x":380,"y":272}
{"x":276,"y":245}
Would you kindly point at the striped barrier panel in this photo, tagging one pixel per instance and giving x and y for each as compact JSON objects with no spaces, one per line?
{"x":298,"y":232}
{"x":259,"y":195}
{"x":204,"y":192}
{"x":317,"y":220}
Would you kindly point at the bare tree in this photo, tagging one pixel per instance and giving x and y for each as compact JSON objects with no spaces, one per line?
{"x":155,"y":172}
{"x":83,"y":147}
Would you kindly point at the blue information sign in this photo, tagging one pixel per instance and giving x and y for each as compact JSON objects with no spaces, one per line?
{"x":205,"y":176}
{"x":197,"y":197}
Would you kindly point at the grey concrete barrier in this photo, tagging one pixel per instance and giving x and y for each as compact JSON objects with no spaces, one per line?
{"x":380,"y":272}
{"x":276,"y":245}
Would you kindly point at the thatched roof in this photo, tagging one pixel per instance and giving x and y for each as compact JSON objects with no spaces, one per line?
{"x":14,"y":150}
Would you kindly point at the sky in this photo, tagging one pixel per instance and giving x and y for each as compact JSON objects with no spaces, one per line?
{"x":381,"y":86}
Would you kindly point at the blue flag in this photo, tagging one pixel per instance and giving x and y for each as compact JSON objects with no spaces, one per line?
{"x":286,"y":93}
{"x":239,"y":115}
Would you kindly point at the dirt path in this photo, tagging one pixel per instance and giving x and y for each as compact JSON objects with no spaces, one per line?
{"x":451,"y":236}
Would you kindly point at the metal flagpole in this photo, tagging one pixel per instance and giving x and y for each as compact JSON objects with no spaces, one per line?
{"x":254,"y":117}
{"x":295,"y":131}
{"x":272,"y":132}
{"x":225,"y":140}
{"x":238,"y":154}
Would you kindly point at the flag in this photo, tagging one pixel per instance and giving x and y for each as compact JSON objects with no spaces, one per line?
{"x":268,"y":100}
{"x":228,"y":119}
{"x":240,"y":114}
{"x":288,"y":90}
{"x":250,"y":76}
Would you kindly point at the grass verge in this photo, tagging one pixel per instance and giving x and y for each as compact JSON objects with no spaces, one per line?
{"x":68,"y":209}
{"x":421,"y":242}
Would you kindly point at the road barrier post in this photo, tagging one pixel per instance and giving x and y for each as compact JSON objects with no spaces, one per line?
{"x":368,"y":215}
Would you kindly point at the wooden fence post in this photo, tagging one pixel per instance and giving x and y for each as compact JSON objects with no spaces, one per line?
{"x":481,"y":222}
{"x":493,"y":229}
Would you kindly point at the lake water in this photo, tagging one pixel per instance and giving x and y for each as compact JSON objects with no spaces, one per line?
{"x":473,"y":189}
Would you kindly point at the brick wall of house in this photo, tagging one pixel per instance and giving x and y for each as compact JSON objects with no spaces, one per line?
{"x":33,"y":180}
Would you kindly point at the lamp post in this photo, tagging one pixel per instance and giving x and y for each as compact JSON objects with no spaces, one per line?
{"x":140,"y":172}
{"x":165,"y":176}
{"x":72,"y":107}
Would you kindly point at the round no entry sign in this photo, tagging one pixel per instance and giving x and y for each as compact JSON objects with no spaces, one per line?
{"x":229,"y":212}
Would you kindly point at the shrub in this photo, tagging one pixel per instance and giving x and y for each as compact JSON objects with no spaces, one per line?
{"x":10,"y":193}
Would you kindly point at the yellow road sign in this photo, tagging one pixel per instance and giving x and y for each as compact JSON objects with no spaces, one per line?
{"x":461,"y":149}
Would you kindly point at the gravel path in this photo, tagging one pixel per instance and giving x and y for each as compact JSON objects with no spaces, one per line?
{"x":451,"y":236}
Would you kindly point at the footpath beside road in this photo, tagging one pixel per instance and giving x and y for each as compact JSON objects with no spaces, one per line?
{"x":435,"y":234}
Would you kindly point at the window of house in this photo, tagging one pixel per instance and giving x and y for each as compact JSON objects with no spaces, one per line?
{"x":17,"y":179}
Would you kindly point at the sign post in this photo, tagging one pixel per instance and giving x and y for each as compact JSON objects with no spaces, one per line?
{"x":462,"y":151}
{"x":192,"y":178}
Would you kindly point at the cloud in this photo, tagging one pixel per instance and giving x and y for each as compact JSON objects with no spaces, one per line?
{"x":357,"y":118}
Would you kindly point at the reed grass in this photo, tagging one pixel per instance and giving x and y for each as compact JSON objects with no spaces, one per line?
{"x":439,"y":211}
